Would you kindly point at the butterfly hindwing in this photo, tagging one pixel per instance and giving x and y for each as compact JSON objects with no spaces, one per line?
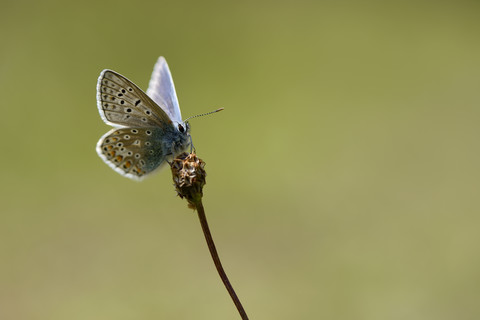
{"x":132,"y":152}
{"x":121,"y":103}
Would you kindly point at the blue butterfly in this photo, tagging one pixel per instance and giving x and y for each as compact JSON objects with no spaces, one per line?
{"x":148,"y":127}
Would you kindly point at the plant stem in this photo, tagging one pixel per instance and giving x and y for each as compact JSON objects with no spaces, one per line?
{"x":216,"y":259}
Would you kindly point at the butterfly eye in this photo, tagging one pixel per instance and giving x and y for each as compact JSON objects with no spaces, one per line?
{"x":181,"y":128}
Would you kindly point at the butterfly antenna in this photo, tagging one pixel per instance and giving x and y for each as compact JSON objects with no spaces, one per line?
{"x":203,"y":114}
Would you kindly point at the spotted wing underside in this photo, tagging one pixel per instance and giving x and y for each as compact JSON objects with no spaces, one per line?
{"x":132,"y":152}
{"x":121,"y":103}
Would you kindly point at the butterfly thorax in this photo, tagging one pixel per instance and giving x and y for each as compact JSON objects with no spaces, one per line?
{"x":176,"y":141}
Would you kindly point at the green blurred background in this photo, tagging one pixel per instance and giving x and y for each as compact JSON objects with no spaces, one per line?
{"x":343,"y":175}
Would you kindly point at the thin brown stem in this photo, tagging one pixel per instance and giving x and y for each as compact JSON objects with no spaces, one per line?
{"x":216,"y":259}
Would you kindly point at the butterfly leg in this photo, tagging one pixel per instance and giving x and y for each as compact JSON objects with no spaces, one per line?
{"x":170,"y":154}
{"x":192,"y":147}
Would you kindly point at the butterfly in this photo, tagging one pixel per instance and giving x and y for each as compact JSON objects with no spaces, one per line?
{"x":148,"y":127}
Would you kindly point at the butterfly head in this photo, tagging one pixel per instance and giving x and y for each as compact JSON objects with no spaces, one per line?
{"x":183,"y":128}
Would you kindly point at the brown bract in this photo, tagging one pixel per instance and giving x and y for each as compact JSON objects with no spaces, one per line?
{"x":189,"y":177}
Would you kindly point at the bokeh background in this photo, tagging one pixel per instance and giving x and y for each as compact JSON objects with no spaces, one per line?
{"x":343,"y":175}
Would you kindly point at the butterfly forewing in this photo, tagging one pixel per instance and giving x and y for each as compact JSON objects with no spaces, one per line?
{"x":133,"y":152}
{"x":122,"y":103}
{"x":162,"y":90}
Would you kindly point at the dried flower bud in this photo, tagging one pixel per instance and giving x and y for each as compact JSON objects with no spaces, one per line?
{"x":189,"y":177}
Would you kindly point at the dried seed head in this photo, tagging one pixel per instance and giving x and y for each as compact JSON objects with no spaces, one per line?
{"x":189,"y":177}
